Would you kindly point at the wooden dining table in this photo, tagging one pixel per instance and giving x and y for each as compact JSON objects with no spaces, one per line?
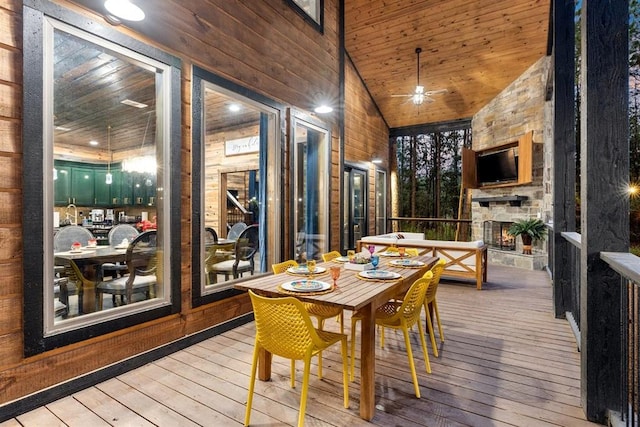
{"x":352,"y":293}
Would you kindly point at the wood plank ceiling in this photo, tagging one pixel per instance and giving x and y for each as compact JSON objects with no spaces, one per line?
{"x":473,"y":49}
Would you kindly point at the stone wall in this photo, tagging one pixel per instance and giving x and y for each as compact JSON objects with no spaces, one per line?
{"x":518,"y":109}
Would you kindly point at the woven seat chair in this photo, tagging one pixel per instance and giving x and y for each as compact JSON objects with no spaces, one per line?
{"x":284,"y":328}
{"x":329,"y":256}
{"x":321,"y":312}
{"x":402,"y":315}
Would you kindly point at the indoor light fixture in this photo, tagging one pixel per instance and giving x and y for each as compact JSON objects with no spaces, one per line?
{"x":142,"y":163}
{"x":376,"y":161}
{"x":124,"y":9}
{"x":108,"y":176}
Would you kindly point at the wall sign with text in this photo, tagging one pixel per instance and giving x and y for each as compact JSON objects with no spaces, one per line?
{"x":246,"y":145}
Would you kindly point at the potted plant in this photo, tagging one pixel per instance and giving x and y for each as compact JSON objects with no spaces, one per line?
{"x":530,"y":230}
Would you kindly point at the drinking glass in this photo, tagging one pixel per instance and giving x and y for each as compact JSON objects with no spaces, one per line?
{"x":401,"y":251}
{"x":311,"y":266}
{"x":375,"y":259}
{"x":335,"y":273}
{"x":372,"y":249}
{"x":351,"y":254}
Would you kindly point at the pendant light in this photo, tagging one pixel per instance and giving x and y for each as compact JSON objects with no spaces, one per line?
{"x":418,"y":97}
{"x":109,"y":177}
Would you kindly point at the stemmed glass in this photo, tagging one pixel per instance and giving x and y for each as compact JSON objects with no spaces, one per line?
{"x":372,"y":249}
{"x":335,"y":273}
{"x":375,"y":259}
{"x":311,"y":267}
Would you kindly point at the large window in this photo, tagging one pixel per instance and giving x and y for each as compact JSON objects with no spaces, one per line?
{"x":235,"y":186}
{"x":311,"y":144}
{"x":101,"y":179}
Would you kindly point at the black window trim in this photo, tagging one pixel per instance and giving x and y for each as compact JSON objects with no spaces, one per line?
{"x":34,"y":14}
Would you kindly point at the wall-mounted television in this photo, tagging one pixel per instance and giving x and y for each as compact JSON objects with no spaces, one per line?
{"x":497,"y":167}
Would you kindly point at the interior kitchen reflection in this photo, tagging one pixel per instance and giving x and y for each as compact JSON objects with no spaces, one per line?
{"x":106,"y":175}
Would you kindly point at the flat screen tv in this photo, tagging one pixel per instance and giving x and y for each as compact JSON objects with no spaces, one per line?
{"x":497,"y":167}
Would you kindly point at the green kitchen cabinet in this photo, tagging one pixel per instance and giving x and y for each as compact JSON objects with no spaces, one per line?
{"x":82,"y":186}
{"x":62,"y":185}
{"x":102,"y":190}
{"x":126,"y":188}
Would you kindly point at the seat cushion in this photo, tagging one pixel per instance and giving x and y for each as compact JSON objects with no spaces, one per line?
{"x":228,"y":265}
{"x":120,"y":284}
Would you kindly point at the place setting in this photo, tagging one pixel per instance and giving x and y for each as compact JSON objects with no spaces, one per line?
{"x":308,"y":269}
{"x":406,"y":263}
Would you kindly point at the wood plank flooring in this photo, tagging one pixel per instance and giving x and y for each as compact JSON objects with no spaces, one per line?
{"x":506,"y":361}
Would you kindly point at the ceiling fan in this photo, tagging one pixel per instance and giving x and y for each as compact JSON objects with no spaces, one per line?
{"x":420,"y":96}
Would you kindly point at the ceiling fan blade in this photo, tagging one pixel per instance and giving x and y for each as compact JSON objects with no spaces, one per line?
{"x":436,"y":92}
{"x":401,"y":96}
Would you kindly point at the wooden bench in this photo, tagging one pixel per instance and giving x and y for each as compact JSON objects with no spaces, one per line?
{"x":467,"y":260}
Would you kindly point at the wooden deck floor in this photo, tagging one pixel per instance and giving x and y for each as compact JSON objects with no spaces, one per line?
{"x":506,"y":362}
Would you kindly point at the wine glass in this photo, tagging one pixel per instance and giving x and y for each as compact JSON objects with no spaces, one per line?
{"x":375,"y":259}
{"x":372,"y":249}
{"x":311,"y":267}
{"x":335,"y":273}
{"x":351,"y":254}
{"x":401,"y":251}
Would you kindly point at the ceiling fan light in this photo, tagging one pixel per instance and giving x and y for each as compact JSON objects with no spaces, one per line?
{"x":419,"y":89}
{"x":417,"y":99}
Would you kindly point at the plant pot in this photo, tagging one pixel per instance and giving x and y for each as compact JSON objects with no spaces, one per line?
{"x":526,"y":244}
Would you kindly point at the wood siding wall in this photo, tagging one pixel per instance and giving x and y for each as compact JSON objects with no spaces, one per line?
{"x":262,"y":45}
{"x":366,"y":135}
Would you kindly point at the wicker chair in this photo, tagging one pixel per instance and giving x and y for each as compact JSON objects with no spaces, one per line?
{"x":284,"y":328}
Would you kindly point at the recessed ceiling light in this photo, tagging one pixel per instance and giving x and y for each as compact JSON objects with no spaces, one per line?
{"x":234,"y":107}
{"x":124,"y":9}
{"x":93,"y":142}
{"x":323,"y":109}
{"x":134,"y":103}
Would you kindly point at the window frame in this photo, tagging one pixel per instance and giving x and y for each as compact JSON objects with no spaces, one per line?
{"x":200,"y":79}
{"x":38,"y":200}
{"x":316,"y":21}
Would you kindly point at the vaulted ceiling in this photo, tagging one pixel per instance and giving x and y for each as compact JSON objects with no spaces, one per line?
{"x":471,"y":48}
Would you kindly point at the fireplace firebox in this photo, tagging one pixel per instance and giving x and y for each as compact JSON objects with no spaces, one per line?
{"x":496,"y":235}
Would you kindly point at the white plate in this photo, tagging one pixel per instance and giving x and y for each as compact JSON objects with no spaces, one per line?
{"x":302,"y":269}
{"x":407,"y":263}
{"x":75,"y":251}
{"x":341,"y":259}
{"x":306,"y":286}
{"x":379,"y":274}
{"x":387,"y":253}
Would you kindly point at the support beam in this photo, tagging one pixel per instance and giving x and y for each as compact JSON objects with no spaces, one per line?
{"x":564,"y":151}
{"x":604,"y":152}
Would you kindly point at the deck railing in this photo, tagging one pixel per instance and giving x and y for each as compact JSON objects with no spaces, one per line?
{"x":628,"y":266}
{"x":574,"y":240}
{"x":433,"y":228}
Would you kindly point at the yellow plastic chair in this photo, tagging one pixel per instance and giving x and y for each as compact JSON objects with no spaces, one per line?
{"x":430,"y":299}
{"x":402,"y":315}
{"x":284,"y":328}
{"x":412,"y":251}
{"x":321,"y":312}
{"x":330,"y":256}
{"x":283,"y":266}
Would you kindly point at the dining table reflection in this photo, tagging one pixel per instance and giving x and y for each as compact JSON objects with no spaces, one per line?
{"x":89,"y":261}
{"x":355,"y":293}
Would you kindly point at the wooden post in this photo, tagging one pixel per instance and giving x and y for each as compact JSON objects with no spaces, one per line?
{"x":564,"y":150}
{"x":604,"y":149}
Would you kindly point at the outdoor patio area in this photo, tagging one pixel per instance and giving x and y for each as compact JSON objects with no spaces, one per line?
{"x":506,"y":361}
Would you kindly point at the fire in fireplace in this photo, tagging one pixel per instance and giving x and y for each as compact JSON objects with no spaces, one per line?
{"x":496,"y":235}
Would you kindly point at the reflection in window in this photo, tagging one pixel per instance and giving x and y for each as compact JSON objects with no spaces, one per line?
{"x":107,"y":147}
{"x":235,"y":211}
{"x":311,"y":183}
{"x":381,"y":202}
